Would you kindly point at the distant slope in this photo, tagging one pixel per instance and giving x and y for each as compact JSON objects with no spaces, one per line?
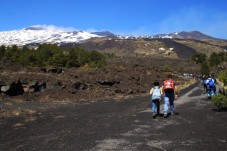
{"x":196,"y":35}
{"x":183,"y":51}
{"x":149,"y":47}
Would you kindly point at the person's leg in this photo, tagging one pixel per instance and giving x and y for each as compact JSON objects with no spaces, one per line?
{"x":208,"y":93}
{"x":171,"y":102}
{"x":158,"y":107}
{"x":204,"y":88}
{"x":215,"y":89}
{"x":153,"y":107}
{"x":166,"y":105}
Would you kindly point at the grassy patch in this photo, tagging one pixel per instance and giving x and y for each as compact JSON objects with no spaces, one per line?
{"x":220,"y":101}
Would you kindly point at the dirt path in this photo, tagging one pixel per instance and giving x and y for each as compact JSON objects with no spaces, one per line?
{"x":118,"y":125}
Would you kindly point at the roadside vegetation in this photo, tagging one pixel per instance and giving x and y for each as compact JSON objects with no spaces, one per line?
{"x":208,"y":65}
{"x":53,"y":55}
{"x":221,"y":99}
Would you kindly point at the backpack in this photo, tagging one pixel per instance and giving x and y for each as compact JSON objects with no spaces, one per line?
{"x":156,"y":93}
{"x":211,"y":83}
{"x":168,"y":84}
{"x":204,"y":82}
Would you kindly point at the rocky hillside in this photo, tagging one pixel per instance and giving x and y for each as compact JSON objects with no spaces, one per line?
{"x":122,"y":77}
{"x":171,"y":48}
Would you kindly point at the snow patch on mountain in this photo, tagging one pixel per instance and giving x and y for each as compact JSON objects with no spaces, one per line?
{"x":43,"y":34}
{"x":39,"y":34}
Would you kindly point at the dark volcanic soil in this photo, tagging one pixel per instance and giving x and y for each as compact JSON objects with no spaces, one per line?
{"x":118,"y":126}
{"x":121,"y":78}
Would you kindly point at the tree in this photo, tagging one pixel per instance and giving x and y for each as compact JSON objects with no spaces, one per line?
{"x":2,"y":51}
{"x":59,"y":60}
{"x":214,"y":59}
{"x":97,"y":59}
{"x":11,"y":52}
{"x":83,"y":56}
{"x":205,"y":68}
{"x":72,"y":58}
{"x":28,"y":58}
{"x":45,"y":52}
{"x":199,"y":58}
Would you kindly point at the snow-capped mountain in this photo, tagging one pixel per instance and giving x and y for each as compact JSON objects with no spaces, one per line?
{"x":39,"y":34}
{"x":43,"y":34}
{"x":196,"y":35}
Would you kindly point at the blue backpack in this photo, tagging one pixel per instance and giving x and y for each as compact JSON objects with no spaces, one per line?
{"x":156,"y":93}
{"x":211,"y":83}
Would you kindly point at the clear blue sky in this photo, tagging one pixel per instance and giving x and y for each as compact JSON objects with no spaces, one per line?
{"x":127,"y":17}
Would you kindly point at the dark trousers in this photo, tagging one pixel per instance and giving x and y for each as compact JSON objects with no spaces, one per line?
{"x":155,"y":105}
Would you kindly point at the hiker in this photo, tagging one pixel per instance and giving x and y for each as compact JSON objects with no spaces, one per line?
{"x":215,"y":81}
{"x":156,"y":93}
{"x":170,"y":93}
{"x":210,"y":82}
{"x":204,"y":84}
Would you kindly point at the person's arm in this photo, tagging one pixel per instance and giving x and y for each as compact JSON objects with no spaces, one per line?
{"x":176,"y":91}
{"x":151,"y":91}
{"x":161,"y":90}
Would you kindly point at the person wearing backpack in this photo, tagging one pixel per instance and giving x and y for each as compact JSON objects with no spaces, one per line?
{"x":210,"y":82}
{"x":170,"y":93}
{"x":156,"y":93}
{"x":204,"y":84}
{"x":215,"y":81}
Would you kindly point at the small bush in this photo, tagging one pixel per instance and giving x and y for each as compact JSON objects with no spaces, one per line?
{"x":223,"y":77}
{"x":167,"y":69}
{"x":53,"y":55}
{"x":220,"y":100}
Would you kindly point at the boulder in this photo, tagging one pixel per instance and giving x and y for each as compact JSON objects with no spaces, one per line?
{"x":108,"y":82}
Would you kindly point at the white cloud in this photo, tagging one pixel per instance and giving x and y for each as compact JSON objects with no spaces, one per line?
{"x":55,"y":28}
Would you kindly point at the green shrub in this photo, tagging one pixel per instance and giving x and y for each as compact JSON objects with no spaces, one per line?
{"x":2,"y":51}
{"x":223,"y":77}
{"x":199,"y":58}
{"x":214,"y":59}
{"x":53,"y":55}
{"x":167,"y":69}
{"x":205,"y":68}
{"x":220,"y":100}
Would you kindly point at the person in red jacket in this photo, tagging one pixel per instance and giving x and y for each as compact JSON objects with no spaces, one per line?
{"x":170,"y":92}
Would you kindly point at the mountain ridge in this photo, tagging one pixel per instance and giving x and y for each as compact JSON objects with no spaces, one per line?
{"x":51,"y":34}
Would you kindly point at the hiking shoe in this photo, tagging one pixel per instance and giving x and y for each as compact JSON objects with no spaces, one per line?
{"x":165,"y":116}
{"x":160,"y":115}
{"x":174,"y":113}
{"x":154,"y":116}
